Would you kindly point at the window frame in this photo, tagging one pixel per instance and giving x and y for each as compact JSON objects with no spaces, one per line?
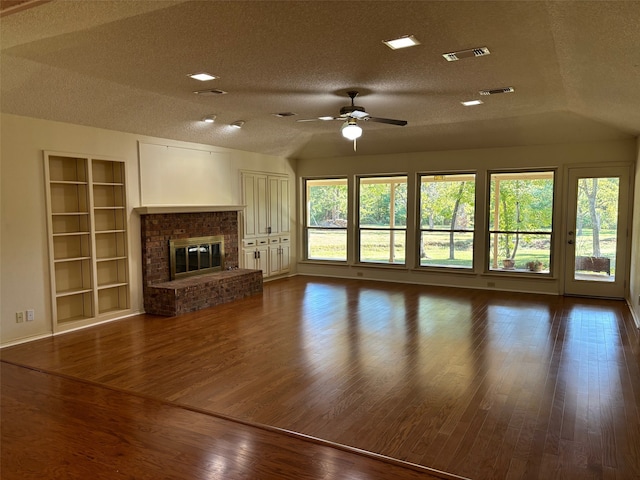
{"x":339,"y":180}
{"x":358,"y":229}
{"x":418,"y":225}
{"x":488,"y":269}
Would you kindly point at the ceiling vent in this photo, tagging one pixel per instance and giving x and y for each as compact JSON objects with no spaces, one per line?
{"x":472,"y":52}
{"x":210,"y":92}
{"x":495,"y":91}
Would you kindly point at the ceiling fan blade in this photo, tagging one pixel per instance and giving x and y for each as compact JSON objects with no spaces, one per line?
{"x":318,"y":119}
{"x":390,"y":121}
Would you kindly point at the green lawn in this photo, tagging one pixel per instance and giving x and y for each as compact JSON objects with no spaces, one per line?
{"x":332,"y":245}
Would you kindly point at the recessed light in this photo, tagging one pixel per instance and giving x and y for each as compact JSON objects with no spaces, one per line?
{"x":469,"y":103}
{"x":472,"y":52}
{"x":208,"y":93}
{"x":284,"y":114}
{"x":402,"y":42}
{"x":237,"y":124}
{"x":202,"y":76}
{"x":209,"y":119}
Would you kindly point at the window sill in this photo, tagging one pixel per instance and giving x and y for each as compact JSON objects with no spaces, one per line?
{"x":318,"y":261}
{"x":444,"y":270}
{"x":387,"y":266}
{"x":520,"y":273}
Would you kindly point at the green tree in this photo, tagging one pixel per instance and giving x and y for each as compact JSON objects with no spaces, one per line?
{"x":327,"y":204}
{"x":597,"y":207}
{"x":524,"y":205}
{"x":446,"y":204}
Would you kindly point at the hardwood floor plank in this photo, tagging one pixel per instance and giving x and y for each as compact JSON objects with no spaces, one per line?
{"x":478,"y":383}
{"x":54,"y":427}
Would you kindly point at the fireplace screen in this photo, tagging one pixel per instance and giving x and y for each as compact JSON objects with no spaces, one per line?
{"x":196,"y":256}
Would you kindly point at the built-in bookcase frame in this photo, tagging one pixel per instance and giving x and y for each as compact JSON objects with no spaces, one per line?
{"x":88,"y":238}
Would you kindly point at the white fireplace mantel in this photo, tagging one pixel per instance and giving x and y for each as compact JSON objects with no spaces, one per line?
{"x":159,"y":209}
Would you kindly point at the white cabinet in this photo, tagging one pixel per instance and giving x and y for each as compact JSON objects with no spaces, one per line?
{"x":87,"y":224}
{"x":255,"y":254}
{"x":254,"y":193}
{"x":266,"y":222}
{"x":278,"y":205}
{"x":279,"y":256}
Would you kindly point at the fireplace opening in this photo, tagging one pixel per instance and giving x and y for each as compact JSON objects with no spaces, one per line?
{"x":196,"y":256}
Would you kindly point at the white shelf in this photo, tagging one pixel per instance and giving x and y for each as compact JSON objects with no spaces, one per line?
{"x":70,"y":234}
{"x":70,"y":259}
{"x":67,"y":293}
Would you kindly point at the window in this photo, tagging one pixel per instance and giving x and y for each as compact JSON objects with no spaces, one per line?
{"x":447,"y":210}
{"x":326,"y":219}
{"x":520,"y":221}
{"x":382,"y":219}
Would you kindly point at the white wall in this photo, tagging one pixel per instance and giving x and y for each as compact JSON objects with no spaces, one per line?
{"x":24,"y":264}
{"x":480,"y":160}
{"x":634,"y":294}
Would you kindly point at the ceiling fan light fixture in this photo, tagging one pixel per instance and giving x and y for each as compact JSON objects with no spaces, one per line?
{"x":402,"y":42}
{"x":351,"y":130}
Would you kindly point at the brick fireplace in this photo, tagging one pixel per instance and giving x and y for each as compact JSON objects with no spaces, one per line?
{"x":163,"y":296}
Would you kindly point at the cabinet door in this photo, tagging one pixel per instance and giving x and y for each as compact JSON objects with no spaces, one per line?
{"x":260,"y":205}
{"x":254,"y":196}
{"x":262,"y":262}
{"x":274,"y":260}
{"x":285,"y":263}
{"x":278,"y":204}
{"x":283,"y":186}
{"x":249,"y":258}
{"x":274,"y":205}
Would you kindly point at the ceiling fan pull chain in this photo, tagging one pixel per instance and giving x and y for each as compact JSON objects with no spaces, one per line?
{"x":354,"y":144}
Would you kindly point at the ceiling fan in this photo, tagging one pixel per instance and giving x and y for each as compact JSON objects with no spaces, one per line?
{"x":350,"y":114}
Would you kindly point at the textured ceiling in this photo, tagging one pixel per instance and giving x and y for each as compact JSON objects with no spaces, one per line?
{"x":123,"y":65}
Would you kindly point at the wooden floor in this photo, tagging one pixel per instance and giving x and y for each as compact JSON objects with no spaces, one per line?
{"x":483,"y":385}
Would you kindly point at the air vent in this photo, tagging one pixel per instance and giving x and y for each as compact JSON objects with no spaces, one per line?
{"x":210,"y":92}
{"x":495,"y":91}
{"x":472,"y":52}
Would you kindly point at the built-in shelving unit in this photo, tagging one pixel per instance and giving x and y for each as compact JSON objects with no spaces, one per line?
{"x":266,"y":225}
{"x":87,"y":220}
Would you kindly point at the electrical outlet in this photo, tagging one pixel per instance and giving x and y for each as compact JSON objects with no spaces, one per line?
{"x":19,"y":317}
{"x":31,"y":315}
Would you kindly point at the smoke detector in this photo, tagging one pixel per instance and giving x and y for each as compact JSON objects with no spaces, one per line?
{"x":472,"y":52}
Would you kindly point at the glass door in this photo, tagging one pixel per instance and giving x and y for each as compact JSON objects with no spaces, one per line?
{"x":596,"y":261}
